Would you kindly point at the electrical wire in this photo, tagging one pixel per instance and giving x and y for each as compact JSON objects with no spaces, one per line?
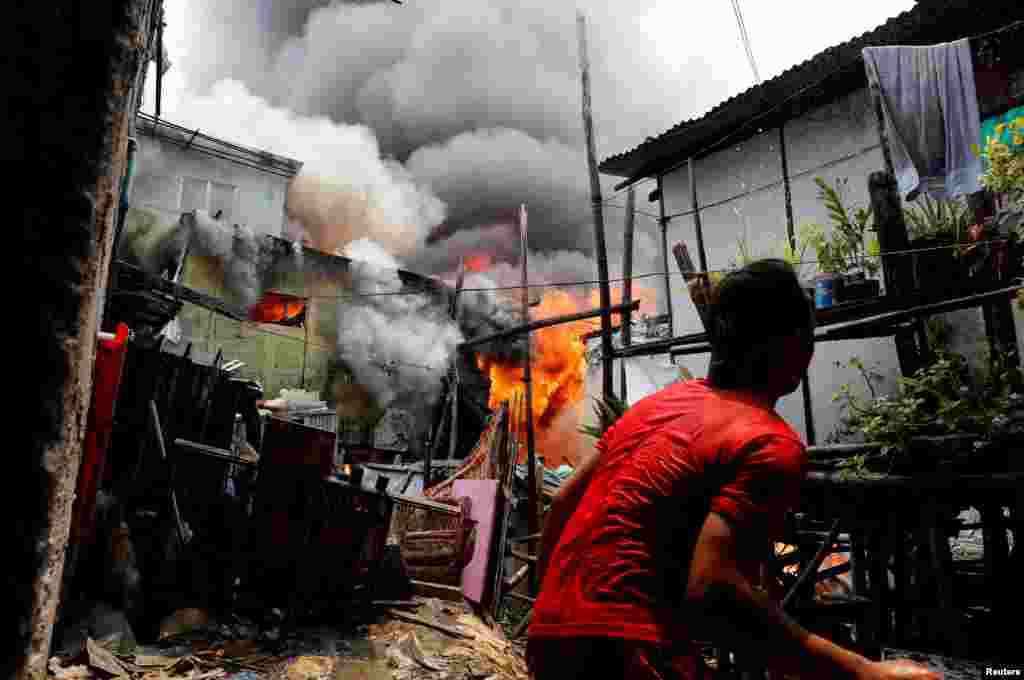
{"x":745,"y":37}
{"x":661,"y":274}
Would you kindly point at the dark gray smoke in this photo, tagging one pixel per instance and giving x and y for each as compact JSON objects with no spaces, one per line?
{"x":479,"y":99}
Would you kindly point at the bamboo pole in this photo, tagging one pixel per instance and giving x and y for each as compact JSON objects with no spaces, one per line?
{"x":627,"y":282}
{"x":595,"y":198}
{"x":663,"y":221}
{"x":701,"y":252}
{"x":531,"y":455}
{"x":453,"y":438}
{"x":805,"y":384}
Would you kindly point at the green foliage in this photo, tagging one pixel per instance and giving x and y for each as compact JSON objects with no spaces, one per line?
{"x":940,"y":399}
{"x":943,"y":220}
{"x":807,"y":235}
{"x":608,"y":411}
{"x":851,"y":244}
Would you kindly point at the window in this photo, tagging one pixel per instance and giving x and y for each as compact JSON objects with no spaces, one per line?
{"x":222,"y":198}
{"x":194,"y":195}
{"x":156,"y":191}
{"x":214,"y":197}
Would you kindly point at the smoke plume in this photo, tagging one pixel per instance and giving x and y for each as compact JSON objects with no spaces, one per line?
{"x":399,"y":111}
{"x":399,"y":346}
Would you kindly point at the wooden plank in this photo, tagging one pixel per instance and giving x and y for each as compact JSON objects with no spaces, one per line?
{"x":426,"y":504}
{"x":519,"y":596}
{"x":447,"y":630}
{"x":517,"y":578}
{"x":440,"y":591}
{"x":185,"y":293}
{"x":523,"y":556}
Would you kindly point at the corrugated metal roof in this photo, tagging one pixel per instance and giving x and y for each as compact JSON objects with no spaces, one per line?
{"x":825,"y":77}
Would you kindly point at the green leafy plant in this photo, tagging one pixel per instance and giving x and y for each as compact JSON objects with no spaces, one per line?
{"x":851,"y":246}
{"x":940,"y":399}
{"x":928,"y":218}
{"x":807,"y":235}
{"x":608,"y":411}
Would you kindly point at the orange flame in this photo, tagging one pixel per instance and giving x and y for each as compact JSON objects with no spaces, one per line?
{"x":558,"y":363}
{"x":559,"y":369}
{"x":481,"y":262}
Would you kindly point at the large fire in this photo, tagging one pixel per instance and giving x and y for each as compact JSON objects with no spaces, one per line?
{"x":558,"y":368}
{"x":558,"y":362}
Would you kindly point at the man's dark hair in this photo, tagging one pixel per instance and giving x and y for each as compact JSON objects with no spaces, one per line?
{"x":754,"y":305}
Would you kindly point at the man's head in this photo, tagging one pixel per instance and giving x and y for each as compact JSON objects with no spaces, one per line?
{"x":761,"y":326}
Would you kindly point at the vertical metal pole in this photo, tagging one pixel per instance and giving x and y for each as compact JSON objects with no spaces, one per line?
{"x":805,"y":384}
{"x":663,"y":223}
{"x":531,"y":456}
{"x":595,"y":197}
{"x":627,"y":284}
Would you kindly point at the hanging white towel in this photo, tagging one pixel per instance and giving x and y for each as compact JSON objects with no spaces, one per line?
{"x":930,"y":107}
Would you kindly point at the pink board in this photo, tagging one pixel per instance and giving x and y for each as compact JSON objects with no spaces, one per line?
{"x":484,"y":495}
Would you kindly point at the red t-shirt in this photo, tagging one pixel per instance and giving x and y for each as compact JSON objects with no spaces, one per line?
{"x":621,"y":566}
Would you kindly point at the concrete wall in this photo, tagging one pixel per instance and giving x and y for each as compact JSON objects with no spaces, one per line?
{"x":170,"y":180}
{"x":274,"y":355}
{"x":836,"y":141}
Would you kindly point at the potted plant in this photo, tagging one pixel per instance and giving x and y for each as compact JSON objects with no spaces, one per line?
{"x":850,"y":253}
{"x":937,"y":228}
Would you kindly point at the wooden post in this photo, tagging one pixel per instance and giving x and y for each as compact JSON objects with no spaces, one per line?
{"x":701,"y":252}
{"x":533,"y":501}
{"x":601,"y":252}
{"x":663,"y":223}
{"x":453,"y":438}
{"x":159,"y":63}
{"x":627,"y":283}
{"x":805,"y":384}
{"x":896,"y":269}
{"x":906,"y":345}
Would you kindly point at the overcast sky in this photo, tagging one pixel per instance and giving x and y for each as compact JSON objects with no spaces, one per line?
{"x":476,"y":101}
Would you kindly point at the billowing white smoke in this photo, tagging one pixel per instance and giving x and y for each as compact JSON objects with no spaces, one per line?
{"x":398,"y":345}
{"x":248,"y":259}
{"x":345,"y":191}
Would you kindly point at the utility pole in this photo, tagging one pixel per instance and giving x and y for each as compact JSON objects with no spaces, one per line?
{"x":601,"y":252}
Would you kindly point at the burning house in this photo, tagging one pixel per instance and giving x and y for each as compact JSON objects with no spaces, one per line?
{"x":374,"y":341}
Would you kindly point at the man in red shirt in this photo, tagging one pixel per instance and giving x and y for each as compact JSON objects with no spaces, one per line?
{"x":660,"y":537}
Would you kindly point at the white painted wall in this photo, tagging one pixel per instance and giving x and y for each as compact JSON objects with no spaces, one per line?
{"x":162,"y":167}
{"x":842,"y":130}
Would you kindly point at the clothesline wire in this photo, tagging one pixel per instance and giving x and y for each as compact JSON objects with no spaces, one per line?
{"x":661,"y":274}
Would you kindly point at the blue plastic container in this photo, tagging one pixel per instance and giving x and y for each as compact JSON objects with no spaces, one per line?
{"x":824,"y":291}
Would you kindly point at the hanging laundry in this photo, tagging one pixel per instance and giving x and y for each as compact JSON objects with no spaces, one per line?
{"x":930,"y":106}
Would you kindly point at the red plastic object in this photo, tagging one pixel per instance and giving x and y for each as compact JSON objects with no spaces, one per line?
{"x":106,"y":383}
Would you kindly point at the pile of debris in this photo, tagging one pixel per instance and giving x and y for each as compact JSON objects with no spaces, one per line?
{"x":424,"y":638}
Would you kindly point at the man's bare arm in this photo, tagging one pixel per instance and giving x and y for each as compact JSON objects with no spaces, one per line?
{"x":563,"y":505}
{"x":746,"y":619}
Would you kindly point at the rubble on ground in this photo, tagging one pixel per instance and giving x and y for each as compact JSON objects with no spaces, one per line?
{"x":423,"y":639}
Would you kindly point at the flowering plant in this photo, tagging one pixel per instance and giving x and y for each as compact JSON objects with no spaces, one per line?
{"x":1005,"y":172}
